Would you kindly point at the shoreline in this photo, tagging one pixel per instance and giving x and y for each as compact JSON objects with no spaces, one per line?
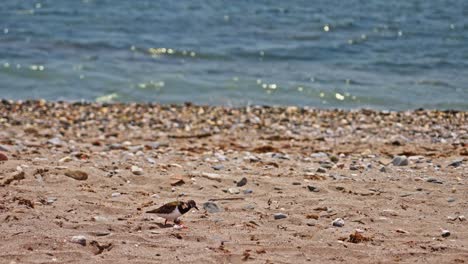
{"x":396,"y":178}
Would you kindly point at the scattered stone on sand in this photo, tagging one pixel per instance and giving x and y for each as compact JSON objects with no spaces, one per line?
{"x":116,"y":194}
{"x":65,"y":159}
{"x":80,"y":239}
{"x":217,"y":167}
{"x":55,"y":141}
{"x":136,"y":170}
{"x":400,"y":161}
{"x":313,"y":188}
{"x":278,"y":216}
{"x":51,"y":200}
{"x":212,"y":176}
{"x":16,"y":176}
{"x":3,"y":157}
{"x":99,"y":218}
{"x":319,"y":155}
{"x":383,"y":169}
{"x":461,"y":218}
{"x":451,"y":200}
{"x":321,"y":170}
{"x":338,"y":222}
{"x":211,"y":207}
{"x":242,"y":182}
{"x":233,"y":190}
{"x":77,"y":174}
{"x":4,"y":148}
{"x":248,"y":191}
{"x":445,"y":233}
{"x":434,"y":180}
{"x":177,"y":182}
{"x":456,"y":163}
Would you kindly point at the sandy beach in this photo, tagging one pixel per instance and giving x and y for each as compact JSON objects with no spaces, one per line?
{"x":321,"y":186}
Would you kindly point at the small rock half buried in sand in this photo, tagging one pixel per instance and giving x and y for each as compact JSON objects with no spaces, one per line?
{"x":79,"y":240}
{"x":211,"y":207}
{"x":400,"y":161}
{"x":338,"y":222}
{"x":278,"y":216}
{"x":137,"y":170}
{"x":242,"y":182}
{"x":77,"y":175}
{"x":445,"y":233}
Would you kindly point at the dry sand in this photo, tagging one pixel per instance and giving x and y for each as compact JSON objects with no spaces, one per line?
{"x":313,"y":166}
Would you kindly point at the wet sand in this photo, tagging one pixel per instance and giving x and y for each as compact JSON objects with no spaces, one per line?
{"x":396,"y":180}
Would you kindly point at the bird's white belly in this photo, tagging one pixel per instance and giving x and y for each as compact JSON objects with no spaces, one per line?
{"x":171,"y":216}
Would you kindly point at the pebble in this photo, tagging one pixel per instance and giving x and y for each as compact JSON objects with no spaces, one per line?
{"x":79,"y":240}
{"x":233,"y":190}
{"x":319,"y":155}
{"x":456,"y":163}
{"x":51,"y":200}
{"x":77,"y":175}
{"x":313,"y":188}
{"x":278,"y":216}
{"x":445,"y":233}
{"x":400,"y":161}
{"x":249,"y":207}
{"x":151,"y":160}
{"x":242,"y":182}
{"x":136,"y":170}
{"x":3,"y":157}
{"x":218,"y":167}
{"x":451,"y":200}
{"x":434,"y":180}
{"x":65,"y":159}
{"x":248,"y":191}
{"x":461,"y":218}
{"x":211,"y":207}
{"x":212,"y":176}
{"x":383,"y":169}
{"x":4,"y":148}
{"x":153,"y":145}
{"x":338,"y":222}
{"x":321,"y":170}
{"x":55,"y":141}
{"x":220,"y":157}
{"x":99,"y":218}
{"x":116,"y":194}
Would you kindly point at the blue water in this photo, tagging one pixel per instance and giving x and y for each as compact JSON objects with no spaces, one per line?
{"x":347,"y":54}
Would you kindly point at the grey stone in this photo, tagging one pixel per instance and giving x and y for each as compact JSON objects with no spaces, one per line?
{"x":451,"y":200}
{"x":55,"y":141}
{"x":80,"y":239}
{"x":321,"y":170}
{"x":278,"y":216}
{"x":456,"y":163}
{"x":211,"y":207}
{"x":233,"y":190}
{"x":400,"y":161}
{"x":218,"y":167}
{"x":248,"y":191}
{"x":434,"y":180}
{"x":445,"y":233}
{"x":338,"y":222}
{"x":313,"y":188}
{"x":242,"y":182}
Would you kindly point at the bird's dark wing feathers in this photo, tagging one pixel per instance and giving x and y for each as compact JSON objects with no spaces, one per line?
{"x":165,"y":209}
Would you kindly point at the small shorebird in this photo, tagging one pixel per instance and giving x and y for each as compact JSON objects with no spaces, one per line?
{"x":172,"y":211}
